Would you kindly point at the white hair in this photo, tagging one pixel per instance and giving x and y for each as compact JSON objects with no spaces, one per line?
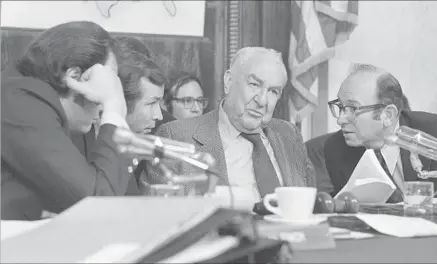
{"x":244,"y":54}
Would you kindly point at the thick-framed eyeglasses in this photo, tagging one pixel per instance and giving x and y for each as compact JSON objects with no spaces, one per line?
{"x":188,"y":102}
{"x":351,"y":111}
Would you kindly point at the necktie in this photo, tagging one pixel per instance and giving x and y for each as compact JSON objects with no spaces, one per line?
{"x":265,"y":174}
{"x":396,"y":197}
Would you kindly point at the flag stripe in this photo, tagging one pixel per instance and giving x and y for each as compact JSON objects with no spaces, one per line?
{"x":329,"y":25}
{"x":308,"y":78}
{"x":316,"y":28}
{"x":313,"y":30}
{"x":299,"y":34}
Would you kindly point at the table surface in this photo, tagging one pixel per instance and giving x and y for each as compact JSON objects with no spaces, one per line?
{"x":377,"y":250}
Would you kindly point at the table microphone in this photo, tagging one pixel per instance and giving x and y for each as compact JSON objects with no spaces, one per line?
{"x":414,"y":140}
{"x":155,"y":148}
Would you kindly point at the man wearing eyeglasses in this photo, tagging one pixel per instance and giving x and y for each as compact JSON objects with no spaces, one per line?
{"x":255,"y":153}
{"x":371,"y":105}
{"x":184,"y":97}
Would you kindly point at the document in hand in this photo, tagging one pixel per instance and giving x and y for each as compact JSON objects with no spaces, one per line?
{"x":108,"y":229}
{"x":369,"y":182}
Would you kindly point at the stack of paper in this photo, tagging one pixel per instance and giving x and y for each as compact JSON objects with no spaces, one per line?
{"x":369,"y":182}
{"x":108,"y":229}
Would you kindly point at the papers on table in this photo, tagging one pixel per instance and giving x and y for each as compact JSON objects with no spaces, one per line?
{"x":399,"y":226}
{"x":10,"y":228}
{"x":369,"y":182}
{"x":342,"y":233}
{"x":108,"y":229}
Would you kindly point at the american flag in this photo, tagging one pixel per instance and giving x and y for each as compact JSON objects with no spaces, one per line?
{"x":316,"y":28}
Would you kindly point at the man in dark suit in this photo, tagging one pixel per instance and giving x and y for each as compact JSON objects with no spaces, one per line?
{"x":315,"y":148}
{"x":370,"y":106}
{"x":66,"y":76}
{"x":253,"y":150}
{"x":143,"y":116}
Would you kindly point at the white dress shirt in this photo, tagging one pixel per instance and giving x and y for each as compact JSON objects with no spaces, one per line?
{"x":238,"y":155}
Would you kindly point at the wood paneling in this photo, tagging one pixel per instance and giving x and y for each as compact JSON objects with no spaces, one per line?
{"x":276,"y":25}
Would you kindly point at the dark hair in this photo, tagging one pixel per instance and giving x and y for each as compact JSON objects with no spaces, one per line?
{"x":389,"y":91}
{"x":135,"y":45}
{"x":177,"y":82}
{"x":73,"y":44}
{"x":131,"y":68}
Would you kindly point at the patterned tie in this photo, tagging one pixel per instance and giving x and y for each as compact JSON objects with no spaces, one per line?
{"x":265,"y":174}
{"x":396,"y":197}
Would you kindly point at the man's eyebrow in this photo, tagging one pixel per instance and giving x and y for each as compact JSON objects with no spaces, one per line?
{"x":351,"y":102}
{"x":253,"y":76}
{"x":155,"y":98}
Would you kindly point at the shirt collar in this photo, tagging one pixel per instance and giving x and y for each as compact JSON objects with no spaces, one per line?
{"x":386,"y":146}
{"x":226,"y":126}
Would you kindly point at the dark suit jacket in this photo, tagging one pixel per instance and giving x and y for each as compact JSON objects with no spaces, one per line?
{"x":315,"y":148}
{"x":341,"y":159}
{"x":203,"y":132}
{"x":41,"y":168}
{"x":85,"y":142}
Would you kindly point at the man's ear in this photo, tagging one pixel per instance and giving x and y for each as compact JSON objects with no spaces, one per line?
{"x":74,"y":73}
{"x":390,"y":115}
{"x":227,"y":78}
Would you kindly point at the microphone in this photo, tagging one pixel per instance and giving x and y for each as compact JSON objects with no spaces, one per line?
{"x":156,"y":148}
{"x":153,"y":148}
{"x":415,"y":141}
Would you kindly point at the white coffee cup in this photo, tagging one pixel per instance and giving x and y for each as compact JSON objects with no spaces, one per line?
{"x":294,"y":203}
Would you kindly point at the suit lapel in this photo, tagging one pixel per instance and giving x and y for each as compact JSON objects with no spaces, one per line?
{"x":289,"y":176}
{"x":208,"y":137}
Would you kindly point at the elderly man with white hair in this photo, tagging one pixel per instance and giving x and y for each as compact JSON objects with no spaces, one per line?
{"x":254,"y":152}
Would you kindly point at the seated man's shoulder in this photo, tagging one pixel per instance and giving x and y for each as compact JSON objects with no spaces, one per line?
{"x":421,"y":120}
{"x":186,"y":126}
{"x":335,"y":140}
{"x":317,"y":144}
{"x":283,"y":126}
{"x":13,"y":84}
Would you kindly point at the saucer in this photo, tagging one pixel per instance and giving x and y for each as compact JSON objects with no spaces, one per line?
{"x":312,"y":220}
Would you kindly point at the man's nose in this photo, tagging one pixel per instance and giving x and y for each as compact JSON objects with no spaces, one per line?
{"x":157,"y":113}
{"x":342,"y":119}
{"x":196,"y":107}
{"x":261,"y":97}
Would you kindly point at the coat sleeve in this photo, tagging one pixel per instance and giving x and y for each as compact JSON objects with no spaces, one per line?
{"x":38,"y":150}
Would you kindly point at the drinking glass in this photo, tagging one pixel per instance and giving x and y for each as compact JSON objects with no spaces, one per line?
{"x":418,"y":198}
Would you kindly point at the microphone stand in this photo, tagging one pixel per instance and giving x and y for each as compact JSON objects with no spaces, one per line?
{"x":207,"y":176}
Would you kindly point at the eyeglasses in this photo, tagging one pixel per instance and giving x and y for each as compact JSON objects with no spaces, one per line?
{"x":188,"y":102}
{"x":352,"y":111}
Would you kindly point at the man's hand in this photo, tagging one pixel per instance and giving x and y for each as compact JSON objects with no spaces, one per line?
{"x":427,"y":174}
{"x":100,"y":84}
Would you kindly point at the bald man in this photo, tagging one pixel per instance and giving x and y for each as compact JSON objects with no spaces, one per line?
{"x":371,"y":105}
{"x":254,"y":151}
